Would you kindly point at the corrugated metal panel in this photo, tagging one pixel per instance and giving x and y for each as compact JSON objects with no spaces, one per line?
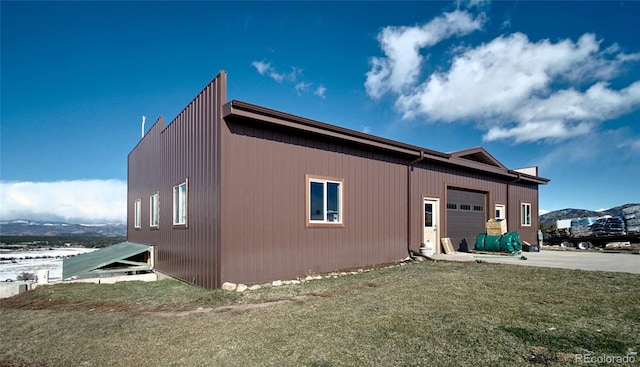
{"x":263,"y":206}
{"x":523,"y":193}
{"x":269,"y":166}
{"x":91,"y":261}
{"x":479,"y":160}
{"x":465,"y":222}
{"x":433,"y":180}
{"x":187,"y":149}
{"x":247,"y":181}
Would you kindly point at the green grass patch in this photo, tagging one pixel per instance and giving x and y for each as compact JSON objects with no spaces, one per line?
{"x":429,"y":314}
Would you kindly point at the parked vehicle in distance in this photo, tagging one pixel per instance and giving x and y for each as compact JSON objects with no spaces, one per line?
{"x":585,"y":233}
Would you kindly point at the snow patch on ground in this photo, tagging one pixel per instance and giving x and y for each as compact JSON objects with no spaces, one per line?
{"x":31,"y":261}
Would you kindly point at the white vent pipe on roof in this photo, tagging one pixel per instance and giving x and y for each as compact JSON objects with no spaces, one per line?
{"x":143,"y":118}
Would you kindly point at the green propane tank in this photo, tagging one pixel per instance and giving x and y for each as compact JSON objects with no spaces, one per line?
{"x":492,"y":243}
{"x":480,"y":241}
{"x":510,"y":242}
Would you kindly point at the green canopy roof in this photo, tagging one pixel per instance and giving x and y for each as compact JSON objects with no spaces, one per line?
{"x":125,"y":256}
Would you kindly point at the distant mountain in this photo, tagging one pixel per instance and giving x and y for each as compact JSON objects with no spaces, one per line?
{"x":551,"y":218}
{"x":23,"y":227}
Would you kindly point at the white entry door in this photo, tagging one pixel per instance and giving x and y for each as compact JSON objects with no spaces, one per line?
{"x":431,"y":223}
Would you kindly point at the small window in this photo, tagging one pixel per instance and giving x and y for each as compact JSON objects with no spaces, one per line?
{"x":525,"y":214}
{"x":137,"y":206}
{"x":452,"y":206}
{"x":500,"y":211}
{"x":324,"y":201}
{"x":478,"y":208}
{"x":428,"y":214}
{"x":180,"y":195}
{"x":465,"y":207}
{"x":154,"y":210}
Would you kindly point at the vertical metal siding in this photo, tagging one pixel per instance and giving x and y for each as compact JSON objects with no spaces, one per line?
{"x":518,"y":193}
{"x":465,"y":224}
{"x":263,"y":206}
{"x":246,"y":214}
{"x":432,"y":180}
{"x":188,"y":148}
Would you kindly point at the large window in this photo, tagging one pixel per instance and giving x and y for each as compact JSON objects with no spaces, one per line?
{"x":154,"y":210}
{"x":137,"y":207}
{"x":324,"y":201}
{"x":525,"y":214}
{"x":180,"y":194}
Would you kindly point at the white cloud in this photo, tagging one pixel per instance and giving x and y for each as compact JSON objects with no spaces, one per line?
{"x":567,"y":113}
{"x":611,"y":149}
{"x":402,"y":63}
{"x":294,"y":76}
{"x":80,"y":201}
{"x":631,"y":145}
{"x":302,"y":87}
{"x":265,"y":68}
{"x":261,"y":66}
{"x":476,"y":3}
{"x":320,"y":91}
{"x":508,"y":86}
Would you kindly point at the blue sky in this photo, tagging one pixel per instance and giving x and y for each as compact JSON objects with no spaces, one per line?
{"x":548,"y":84}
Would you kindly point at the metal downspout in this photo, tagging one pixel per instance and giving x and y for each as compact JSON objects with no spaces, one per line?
{"x":409,"y":169}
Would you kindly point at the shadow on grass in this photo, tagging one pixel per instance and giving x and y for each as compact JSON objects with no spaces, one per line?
{"x":552,"y":343}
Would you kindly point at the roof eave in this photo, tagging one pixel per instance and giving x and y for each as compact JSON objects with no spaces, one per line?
{"x":246,"y":110}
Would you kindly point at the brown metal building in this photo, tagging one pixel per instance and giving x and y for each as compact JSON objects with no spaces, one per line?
{"x":230,"y":191}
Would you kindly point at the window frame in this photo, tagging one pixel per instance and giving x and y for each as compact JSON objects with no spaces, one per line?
{"x":176,"y":217}
{"x":309,"y":179}
{"x":137,"y":213}
{"x":502,"y":208}
{"x":525,"y":214}
{"x":465,"y":207}
{"x":154,"y":208}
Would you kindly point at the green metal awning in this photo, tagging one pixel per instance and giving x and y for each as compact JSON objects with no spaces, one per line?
{"x":122,"y":257}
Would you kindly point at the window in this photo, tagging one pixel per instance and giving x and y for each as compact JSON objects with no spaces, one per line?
{"x":452,"y":206}
{"x":525,"y":214}
{"x":465,"y":207}
{"x":500,"y":211}
{"x":324,"y":201}
{"x":428,"y":214}
{"x":478,"y":208}
{"x":180,"y":193}
{"x":137,"y":206}
{"x":154,"y":210}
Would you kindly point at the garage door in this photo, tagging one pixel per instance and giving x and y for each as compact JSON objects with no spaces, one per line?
{"x":466,"y":216}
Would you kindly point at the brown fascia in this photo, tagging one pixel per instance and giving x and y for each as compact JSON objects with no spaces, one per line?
{"x":246,"y":111}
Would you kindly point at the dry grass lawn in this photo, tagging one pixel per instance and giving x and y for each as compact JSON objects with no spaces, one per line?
{"x":422,"y":314}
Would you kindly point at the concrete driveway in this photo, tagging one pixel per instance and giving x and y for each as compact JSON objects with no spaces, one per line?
{"x":584,"y":260}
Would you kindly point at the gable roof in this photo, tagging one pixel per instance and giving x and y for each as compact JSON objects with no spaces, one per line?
{"x":116,"y":258}
{"x":478,"y":154}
